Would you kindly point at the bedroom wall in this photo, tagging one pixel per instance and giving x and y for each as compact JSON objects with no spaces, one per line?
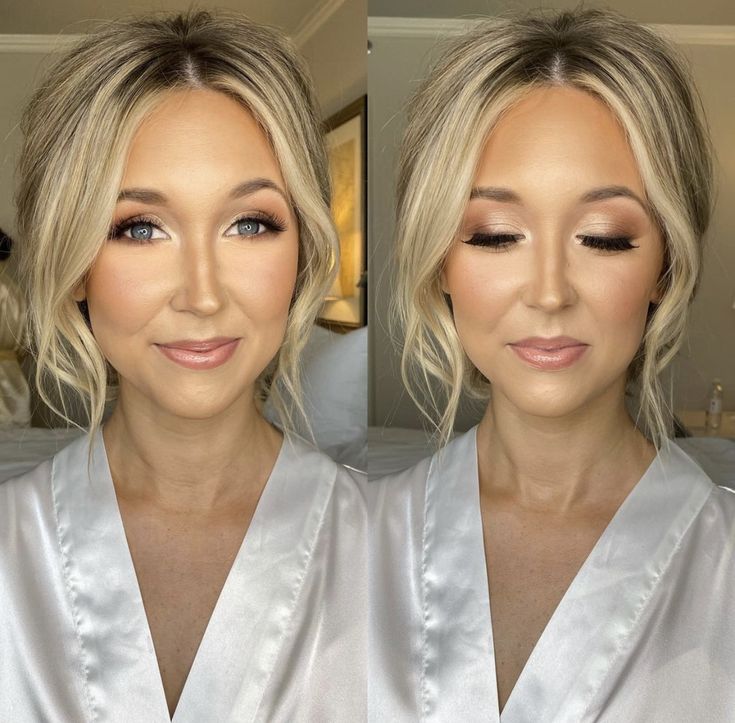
{"x":332,"y":37}
{"x":402,"y":50}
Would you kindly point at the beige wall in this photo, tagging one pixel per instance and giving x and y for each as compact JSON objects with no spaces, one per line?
{"x":337,"y":56}
{"x":398,"y":59}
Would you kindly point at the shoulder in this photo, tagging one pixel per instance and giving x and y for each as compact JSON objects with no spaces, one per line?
{"x":34,"y":486}
{"x":458,"y":457}
{"x":720,"y":508}
{"x":26,"y":488}
{"x":400,"y":488}
{"x":713,"y":527}
{"x":348,"y":486}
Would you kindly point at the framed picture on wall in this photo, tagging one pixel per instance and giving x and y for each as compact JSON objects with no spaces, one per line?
{"x":345,"y":306}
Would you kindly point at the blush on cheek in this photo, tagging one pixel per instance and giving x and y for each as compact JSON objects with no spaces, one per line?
{"x":269,"y":286}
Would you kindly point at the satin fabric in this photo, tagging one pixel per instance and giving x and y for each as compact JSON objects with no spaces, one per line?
{"x":645,"y":632}
{"x":15,"y":395}
{"x":286,"y":640}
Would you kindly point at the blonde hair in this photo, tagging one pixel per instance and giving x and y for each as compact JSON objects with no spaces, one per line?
{"x":77,"y":129}
{"x":645,"y":82}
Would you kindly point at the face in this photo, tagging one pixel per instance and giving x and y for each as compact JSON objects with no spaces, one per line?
{"x":558,"y":257}
{"x":204,"y":248}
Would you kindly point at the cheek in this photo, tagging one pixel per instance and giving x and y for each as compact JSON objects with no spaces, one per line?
{"x":619,"y":301}
{"x":128,"y":289}
{"x":263,"y":283}
{"x":482,"y":289}
{"x":122,"y":292}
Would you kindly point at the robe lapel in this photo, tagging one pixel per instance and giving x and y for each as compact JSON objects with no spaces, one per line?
{"x":250,"y":621}
{"x":596,"y":619}
{"x":119,"y":662}
{"x":592,"y":624}
{"x":458,"y":677}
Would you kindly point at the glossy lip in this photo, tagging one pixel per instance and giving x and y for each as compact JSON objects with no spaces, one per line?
{"x":200,"y":345}
{"x":203,"y":354}
{"x":549,"y":354}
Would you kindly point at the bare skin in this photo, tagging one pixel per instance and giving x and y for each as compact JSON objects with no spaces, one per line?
{"x":183,"y":543}
{"x":557,"y":450}
{"x":538,"y":533}
{"x":188,"y":449}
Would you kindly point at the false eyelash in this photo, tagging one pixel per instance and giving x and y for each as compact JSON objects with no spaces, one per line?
{"x":497,"y":240}
{"x":273,"y":223}
{"x":608,"y":243}
{"x":601,"y":243}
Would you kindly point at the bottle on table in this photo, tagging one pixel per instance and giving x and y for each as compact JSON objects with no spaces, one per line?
{"x":713,"y":417}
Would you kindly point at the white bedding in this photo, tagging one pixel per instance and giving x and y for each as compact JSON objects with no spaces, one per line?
{"x":393,"y":449}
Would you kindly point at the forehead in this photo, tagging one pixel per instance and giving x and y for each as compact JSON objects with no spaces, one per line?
{"x":558,"y":138}
{"x":199,"y":131}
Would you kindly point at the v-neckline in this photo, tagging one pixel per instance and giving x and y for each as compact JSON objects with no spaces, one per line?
{"x":120,"y":664}
{"x":589,"y":626}
{"x":224,"y":594}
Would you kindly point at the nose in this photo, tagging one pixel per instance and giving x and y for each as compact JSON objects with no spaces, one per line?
{"x":199,"y":289}
{"x":549,"y":286}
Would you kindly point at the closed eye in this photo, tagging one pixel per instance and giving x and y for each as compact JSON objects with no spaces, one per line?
{"x":607,"y":243}
{"x":494,"y":240}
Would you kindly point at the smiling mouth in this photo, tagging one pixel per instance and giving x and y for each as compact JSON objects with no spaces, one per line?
{"x":199,"y":355}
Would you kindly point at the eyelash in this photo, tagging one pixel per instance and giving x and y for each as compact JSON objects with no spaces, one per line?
{"x":503,"y":241}
{"x":272,"y":223}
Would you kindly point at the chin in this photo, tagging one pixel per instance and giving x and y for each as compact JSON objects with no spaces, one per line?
{"x":545,"y":403}
{"x":557,"y":396}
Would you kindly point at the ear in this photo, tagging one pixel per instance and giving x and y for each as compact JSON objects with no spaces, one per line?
{"x":80,"y":292}
{"x":658,"y":292}
{"x":443,"y":281}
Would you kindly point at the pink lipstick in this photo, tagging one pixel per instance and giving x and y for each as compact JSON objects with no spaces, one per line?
{"x":200,"y":354}
{"x":549,"y":354}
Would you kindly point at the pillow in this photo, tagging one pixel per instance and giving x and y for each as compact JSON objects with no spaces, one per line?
{"x":334,"y":381}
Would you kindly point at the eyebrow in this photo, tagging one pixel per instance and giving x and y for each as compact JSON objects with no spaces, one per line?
{"x":505,"y":195}
{"x":148,"y":195}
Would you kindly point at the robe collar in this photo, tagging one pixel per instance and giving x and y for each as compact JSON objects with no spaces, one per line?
{"x":230,"y":672}
{"x":591,"y":625}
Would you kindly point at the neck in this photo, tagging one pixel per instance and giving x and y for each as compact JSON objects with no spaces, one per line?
{"x":589,"y":458}
{"x":182,"y":464}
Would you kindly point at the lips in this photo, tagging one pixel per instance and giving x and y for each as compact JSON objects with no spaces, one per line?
{"x":548,"y":344}
{"x":549,"y":354}
{"x":200,"y":354}
{"x":201,"y":346}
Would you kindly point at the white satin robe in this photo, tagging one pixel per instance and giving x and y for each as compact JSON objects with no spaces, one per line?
{"x":646,"y":631}
{"x":287,"y":638}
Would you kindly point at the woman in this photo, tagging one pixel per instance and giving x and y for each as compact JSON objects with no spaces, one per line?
{"x":15,"y":402}
{"x":187,"y":559}
{"x":562,"y":561}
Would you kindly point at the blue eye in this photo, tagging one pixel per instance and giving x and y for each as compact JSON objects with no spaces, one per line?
{"x":141,"y":231}
{"x":257,"y":225}
{"x":144,"y":230}
{"x":138,"y":230}
{"x":249,"y":227}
